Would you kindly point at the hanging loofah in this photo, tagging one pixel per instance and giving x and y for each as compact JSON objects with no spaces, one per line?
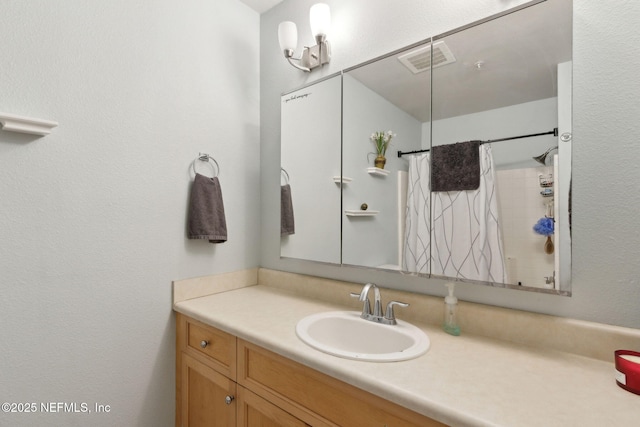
{"x":544,"y":226}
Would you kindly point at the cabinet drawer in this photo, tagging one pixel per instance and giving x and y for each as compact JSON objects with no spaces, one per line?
{"x":212,"y":346}
{"x":289,"y":383}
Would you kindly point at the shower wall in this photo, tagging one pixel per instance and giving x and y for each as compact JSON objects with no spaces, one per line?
{"x":521,"y":205}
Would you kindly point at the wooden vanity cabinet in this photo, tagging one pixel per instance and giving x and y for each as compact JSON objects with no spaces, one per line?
{"x":205,"y":375}
{"x":317,"y":398}
{"x":222,"y":380}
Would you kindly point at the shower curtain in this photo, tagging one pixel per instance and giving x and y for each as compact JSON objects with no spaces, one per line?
{"x":455,"y":233}
{"x":417,"y":242}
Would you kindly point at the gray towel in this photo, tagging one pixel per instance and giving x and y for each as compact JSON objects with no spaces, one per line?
{"x":287,"y":224}
{"x":206,"y":211}
{"x":455,"y":167}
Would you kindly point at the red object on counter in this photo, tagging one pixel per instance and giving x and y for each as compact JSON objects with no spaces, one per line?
{"x":628,"y":371}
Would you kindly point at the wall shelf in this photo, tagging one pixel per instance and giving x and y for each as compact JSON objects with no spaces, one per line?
{"x":378,"y":171}
{"x":345,"y":179}
{"x":360,"y":212}
{"x":14,"y":123}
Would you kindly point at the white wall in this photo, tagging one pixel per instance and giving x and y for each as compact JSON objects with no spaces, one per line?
{"x":92,"y":224}
{"x":606,"y":196}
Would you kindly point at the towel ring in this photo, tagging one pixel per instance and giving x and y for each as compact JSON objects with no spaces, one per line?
{"x":206,"y":158}
{"x":286,"y":175}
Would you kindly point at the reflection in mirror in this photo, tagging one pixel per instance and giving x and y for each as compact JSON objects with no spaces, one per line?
{"x":510,"y":79}
{"x":374,"y":237}
{"x":310,"y":160}
{"x":493,"y":82}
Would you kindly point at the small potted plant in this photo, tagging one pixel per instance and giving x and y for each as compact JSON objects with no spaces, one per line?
{"x":381,"y":140}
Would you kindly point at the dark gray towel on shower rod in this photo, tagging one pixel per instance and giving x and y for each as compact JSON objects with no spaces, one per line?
{"x":455,"y":167}
{"x":287,"y":224}
{"x":206,"y":211}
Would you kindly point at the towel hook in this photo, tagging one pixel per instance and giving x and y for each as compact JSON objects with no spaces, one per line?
{"x":204,"y":157}
{"x":286,"y":175}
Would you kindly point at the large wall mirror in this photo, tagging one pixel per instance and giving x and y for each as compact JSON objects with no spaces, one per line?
{"x":477,"y":175}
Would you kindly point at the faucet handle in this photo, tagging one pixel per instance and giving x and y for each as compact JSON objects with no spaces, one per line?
{"x":389,"y":314}
{"x":366,"y":305}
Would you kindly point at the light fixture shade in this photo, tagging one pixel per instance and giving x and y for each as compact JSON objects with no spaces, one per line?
{"x":320,"y":17}
{"x":288,"y":35}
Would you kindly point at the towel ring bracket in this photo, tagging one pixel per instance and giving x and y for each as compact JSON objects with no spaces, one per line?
{"x":204,"y":157}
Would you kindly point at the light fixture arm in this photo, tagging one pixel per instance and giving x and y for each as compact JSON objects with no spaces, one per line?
{"x":288,"y":53}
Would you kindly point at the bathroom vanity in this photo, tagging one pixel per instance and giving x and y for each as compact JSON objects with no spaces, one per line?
{"x":239,"y":362}
{"x":227,"y":381}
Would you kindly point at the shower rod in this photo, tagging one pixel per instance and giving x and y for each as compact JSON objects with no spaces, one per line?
{"x":553,"y":132}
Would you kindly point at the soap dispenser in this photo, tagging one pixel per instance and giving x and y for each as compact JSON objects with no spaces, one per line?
{"x":450,"y":324}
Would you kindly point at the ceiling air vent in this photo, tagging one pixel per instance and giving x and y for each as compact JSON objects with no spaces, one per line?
{"x":419,"y":60}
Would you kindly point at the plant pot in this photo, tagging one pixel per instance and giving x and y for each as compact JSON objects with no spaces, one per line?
{"x":380,"y":161}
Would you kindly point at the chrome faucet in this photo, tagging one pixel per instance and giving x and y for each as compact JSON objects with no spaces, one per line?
{"x":377,"y":303}
{"x":377,"y":316}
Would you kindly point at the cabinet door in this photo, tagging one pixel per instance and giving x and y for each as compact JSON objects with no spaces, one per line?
{"x":254,"y":411}
{"x":208,"y":397}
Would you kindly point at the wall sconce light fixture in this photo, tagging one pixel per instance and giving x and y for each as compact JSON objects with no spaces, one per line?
{"x":314,"y":56}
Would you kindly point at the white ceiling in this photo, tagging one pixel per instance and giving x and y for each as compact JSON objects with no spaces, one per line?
{"x":520,"y":53}
{"x":261,"y":6}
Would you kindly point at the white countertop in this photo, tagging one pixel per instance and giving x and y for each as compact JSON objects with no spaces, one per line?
{"x":461,"y":381}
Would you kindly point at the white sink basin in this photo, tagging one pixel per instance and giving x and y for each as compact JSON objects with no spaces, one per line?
{"x":345,"y":334}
